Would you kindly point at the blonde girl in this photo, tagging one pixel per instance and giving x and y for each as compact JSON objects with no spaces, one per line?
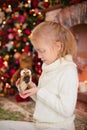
{"x":56,"y":93}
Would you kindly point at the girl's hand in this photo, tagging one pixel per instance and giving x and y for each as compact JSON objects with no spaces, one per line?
{"x":17,"y":82}
{"x":29,"y":92}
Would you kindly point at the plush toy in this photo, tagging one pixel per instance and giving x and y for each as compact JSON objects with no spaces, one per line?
{"x":25,"y":78}
{"x":25,"y":66}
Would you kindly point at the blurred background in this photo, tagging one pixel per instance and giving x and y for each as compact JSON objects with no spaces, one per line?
{"x":17,"y":19}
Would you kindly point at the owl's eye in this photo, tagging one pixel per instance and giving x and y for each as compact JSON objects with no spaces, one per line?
{"x":29,"y":71}
{"x":22,"y":72}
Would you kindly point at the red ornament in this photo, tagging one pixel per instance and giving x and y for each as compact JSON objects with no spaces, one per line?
{"x":10,"y":36}
{"x":46,"y":4}
{"x":75,"y":1}
{"x":11,"y":91}
{"x":15,"y":9}
{"x":4,"y":37}
{"x":38,"y":22}
{"x":1,"y":62}
{"x":24,"y":39}
{"x":19,"y":99}
{"x":34,"y":3}
{"x":16,"y":62}
{"x":35,"y":59}
{"x":26,"y":49}
{"x":10,"y":30}
{"x":6,"y":76}
{"x":38,"y":68}
{"x":12,"y":71}
{"x":27,"y":32}
{"x":35,"y":80}
{"x":21,"y":18}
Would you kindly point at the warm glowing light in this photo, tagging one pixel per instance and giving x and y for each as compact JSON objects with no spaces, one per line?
{"x":6,"y":58}
{"x":85,"y":82}
{"x":34,"y":23}
{"x":29,"y":36}
{"x":32,"y":10}
{"x":2,"y":78}
{"x":15,"y":50}
{"x":7,"y":85}
{"x":6,"y":63}
{"x":34,"y":14}
{"x":10,"y":9}
{"x":19,"y":31}
{"x":4,"y":22}
{"x":29,"y":1}
{"x":26,"y":5}
{"x":45,"y":0}
{"x":22,"y":50}
{"x":27,"y":43}
{"x":39,"y":13}
{"x":12,"y":42}
{"x":9,"y":6}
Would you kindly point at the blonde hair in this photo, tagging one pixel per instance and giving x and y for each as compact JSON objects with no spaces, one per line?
{"x":53,"y":32}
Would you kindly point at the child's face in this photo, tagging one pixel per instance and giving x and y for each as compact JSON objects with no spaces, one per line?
{"x":48,"y":52}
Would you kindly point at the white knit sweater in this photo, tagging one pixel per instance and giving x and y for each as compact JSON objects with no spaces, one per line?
{"x":57,"y":96}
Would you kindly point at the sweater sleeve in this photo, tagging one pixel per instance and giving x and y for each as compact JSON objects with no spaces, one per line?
{"x":65,"y":102}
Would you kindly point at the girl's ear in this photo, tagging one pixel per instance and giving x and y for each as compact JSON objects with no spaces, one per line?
{"x":59,"y":45}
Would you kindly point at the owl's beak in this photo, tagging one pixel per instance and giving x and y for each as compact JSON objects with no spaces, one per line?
{"x":26,"y":79}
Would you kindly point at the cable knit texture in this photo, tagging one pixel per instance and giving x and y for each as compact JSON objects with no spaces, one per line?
{"x":57,"y":96}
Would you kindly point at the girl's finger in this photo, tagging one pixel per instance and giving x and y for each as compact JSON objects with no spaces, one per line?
{"x":32,"y":84}
{"x":25,"y":96}
{"x":17,"y":82}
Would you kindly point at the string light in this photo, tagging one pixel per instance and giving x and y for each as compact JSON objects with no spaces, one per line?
{"x":19,"y":32}
{"x":29,"y":2}
{"x":15,"y":50}
{"x":26,"y":5}
{"x":34,"y":23}
{"x":7,"y":85}
{"x":45,"y":0}
{"x":12,"y":42}
{"x":10,"y":9}
{"x":2,"y":78}
{"x":34,"y":14}
{"x":4,"y":22}
{"x":32,"y":10}
{"x":22,"y":50}
{"x":27,"y":43}
{"x":6,"y":58}
{"x":6,"y":63}
{"x":39,"y":13}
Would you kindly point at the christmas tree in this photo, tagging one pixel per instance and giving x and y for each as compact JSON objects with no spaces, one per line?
{"x":17,"y":19}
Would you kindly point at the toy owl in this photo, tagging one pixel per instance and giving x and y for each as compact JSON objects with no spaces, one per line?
{"x":25,"y":78}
